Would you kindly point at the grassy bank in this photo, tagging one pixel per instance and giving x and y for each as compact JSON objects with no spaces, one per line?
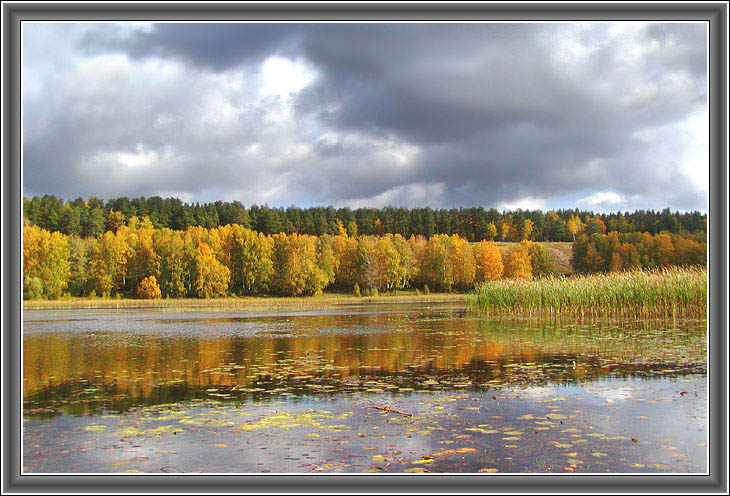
{"x":244,"y":302}
{"x":668,"y":292}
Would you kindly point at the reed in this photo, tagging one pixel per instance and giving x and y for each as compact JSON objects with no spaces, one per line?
{"x":675,"y":291}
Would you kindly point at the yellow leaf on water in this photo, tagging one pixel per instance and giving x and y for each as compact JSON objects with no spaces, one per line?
{"x":94,"y":428}
{"x":488,"y":470}
{"x":482,"y":431}
{"x":562,"y":445}
{"x":221,"y":445}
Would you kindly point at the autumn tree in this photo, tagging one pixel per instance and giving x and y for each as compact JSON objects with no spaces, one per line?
{"x":524,"y":231}
{"x":540,"y":261}
{"x":142,"y":261}
{"x":108,"y":262}
{"x":574,"y":226}
{"x":387,"y":263}
{"x":114,"y":221}
{"x":461,"y":261}
{"x":175,"y":259}
{"x":79,"y":283}
{"x":348,"y":268}
{"x":45,"y":259}
{"x":211,"y":276}
{"x":296,"y":271}
{"x":593,"y":261}
{"x":435,"y":265}
{"x":148,"y":288}
{"x":406,"y":266}
{"x":488,"y":262}
{"x":625,"y":257}
{"x":248,"y":256}
{"x":517,"y":263}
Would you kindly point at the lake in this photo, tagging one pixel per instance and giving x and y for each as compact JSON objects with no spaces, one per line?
{"x":367,"y":387}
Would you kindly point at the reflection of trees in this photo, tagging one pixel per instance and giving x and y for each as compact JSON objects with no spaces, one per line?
{"x":126,"y":370}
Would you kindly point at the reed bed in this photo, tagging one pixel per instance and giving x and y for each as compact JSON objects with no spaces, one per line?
{"x":675,"y":291}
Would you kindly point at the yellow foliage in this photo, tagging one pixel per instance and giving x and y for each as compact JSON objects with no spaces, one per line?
{"x":488,"y":260}
{"x":211,"y":276}
{"x":517,"y":263}
{"x":148,"y":288}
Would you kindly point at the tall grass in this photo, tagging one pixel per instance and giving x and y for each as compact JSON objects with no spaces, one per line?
{"x":676,"y":291}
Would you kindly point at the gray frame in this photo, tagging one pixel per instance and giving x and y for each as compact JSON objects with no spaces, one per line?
{"x":716,"y":13}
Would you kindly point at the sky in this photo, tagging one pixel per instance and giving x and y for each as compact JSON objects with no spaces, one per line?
{"x":598,"y":116}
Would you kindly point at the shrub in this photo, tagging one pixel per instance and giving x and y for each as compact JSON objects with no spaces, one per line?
{"x":32,"y":288}
{"x":148,"y":288}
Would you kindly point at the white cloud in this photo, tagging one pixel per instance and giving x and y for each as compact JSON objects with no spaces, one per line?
{"x":283,"y":77}
{"x":601,"y":201}
{"x":525,"y":203}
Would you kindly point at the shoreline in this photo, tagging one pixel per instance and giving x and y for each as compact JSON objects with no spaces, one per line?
{"x":405,"y":297}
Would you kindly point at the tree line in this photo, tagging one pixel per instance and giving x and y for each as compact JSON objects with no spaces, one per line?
{"x":93,"y":217}
{"x":142,"y":261}
{"x":628,"y":251}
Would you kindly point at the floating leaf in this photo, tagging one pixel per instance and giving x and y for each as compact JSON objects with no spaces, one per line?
{"x":95,"y":428}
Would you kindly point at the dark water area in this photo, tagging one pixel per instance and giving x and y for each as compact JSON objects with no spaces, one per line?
{"x":360,"y":388}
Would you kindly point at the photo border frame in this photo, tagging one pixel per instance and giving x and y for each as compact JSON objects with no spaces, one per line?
{"x":716,"y":13}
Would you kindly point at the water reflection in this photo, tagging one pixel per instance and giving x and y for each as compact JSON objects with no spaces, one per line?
{"x":84,"y":363}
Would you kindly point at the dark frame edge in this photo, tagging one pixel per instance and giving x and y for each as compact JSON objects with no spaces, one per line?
{"x":11,"y":242}
{"x":716,"y":481}
{"x":718,"y":247}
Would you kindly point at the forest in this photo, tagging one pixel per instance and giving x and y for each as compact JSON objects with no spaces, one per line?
{"x":92,"y":217}
{"x":137,"y":259}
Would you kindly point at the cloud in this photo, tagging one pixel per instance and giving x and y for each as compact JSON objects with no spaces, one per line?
{"x":601,"y":201}
{"x":510,"y":115}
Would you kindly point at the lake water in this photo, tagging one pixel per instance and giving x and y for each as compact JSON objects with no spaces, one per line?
{"x":358,"y":388}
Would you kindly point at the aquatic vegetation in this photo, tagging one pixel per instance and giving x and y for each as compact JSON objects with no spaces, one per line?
{"x":667,"y":292}
{"x":371,"y":388}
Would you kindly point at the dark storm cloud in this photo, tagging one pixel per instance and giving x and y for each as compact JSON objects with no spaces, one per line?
{"x":446,"y":114}
{"x":216,"y":46}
